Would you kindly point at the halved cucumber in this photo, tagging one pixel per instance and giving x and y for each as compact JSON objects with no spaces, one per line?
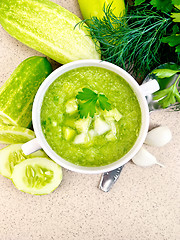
{"x":37,"y":176}
{"x":12,"y":155}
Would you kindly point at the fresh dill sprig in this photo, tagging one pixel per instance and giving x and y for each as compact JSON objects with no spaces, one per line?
{"x":134,"y":40}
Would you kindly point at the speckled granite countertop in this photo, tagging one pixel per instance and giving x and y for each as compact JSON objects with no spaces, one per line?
{"x":143,"y":205}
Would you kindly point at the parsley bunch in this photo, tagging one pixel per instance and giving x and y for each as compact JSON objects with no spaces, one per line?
{"x":167,"y":6}
{"x":88,"y":102}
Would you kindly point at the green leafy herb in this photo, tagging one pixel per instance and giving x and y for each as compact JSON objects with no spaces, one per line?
{"x":89,"y":106}
{"x":166,"y":6}
{"x":138,"y":2}
{"x":169,"y":95}
{"x":175,"y":2}
{"x":162,"y":5}
{"x":174,"y":39}
{"x":134,"y":39}
{"x":103,"y":102}
{"x":89,"y":101}
{"x":164,"y":73}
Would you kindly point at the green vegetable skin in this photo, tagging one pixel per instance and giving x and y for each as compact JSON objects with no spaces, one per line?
{"x":47,"y":28}
{"x":94,"y":8}
{"x":18,"y":92}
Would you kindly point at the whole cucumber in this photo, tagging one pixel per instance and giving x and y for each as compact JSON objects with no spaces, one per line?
{"x":18,"y":92}
{"x":47,"y":28}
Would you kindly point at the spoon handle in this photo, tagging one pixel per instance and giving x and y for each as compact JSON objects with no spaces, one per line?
{"x":109,"y":178}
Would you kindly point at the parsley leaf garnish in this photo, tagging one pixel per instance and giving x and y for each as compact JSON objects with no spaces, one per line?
{"x":103,"y":102}
{"x":87,"y":94}
{"x":89,"y":101}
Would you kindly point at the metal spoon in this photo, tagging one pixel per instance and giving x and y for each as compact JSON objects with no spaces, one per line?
{"x":108,"y":179}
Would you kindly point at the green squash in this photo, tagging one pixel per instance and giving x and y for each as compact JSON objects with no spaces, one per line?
{"x":47,"y":28}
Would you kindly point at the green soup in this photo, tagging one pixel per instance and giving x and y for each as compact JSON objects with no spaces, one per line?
{"x":96,"y":141}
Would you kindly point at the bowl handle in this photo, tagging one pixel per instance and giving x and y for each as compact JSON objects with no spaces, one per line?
{"x":150,"y":87}
{"x":31,"y":146}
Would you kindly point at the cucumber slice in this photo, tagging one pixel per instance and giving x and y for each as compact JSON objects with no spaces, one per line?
{"x":15,"y":134}
{"x":12,"y":155}
{"x":37,"y":176}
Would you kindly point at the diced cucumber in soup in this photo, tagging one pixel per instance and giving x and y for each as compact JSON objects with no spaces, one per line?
{"x":69,"y":133}
{"x":82,"y":125}
{"x":71,"y":106}
{"x":100,"y":126}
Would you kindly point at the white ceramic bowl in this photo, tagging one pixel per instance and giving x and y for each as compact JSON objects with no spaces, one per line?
{"x":40,"y":141}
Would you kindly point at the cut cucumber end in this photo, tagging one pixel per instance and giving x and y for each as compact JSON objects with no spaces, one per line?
{"x":37,"y":176}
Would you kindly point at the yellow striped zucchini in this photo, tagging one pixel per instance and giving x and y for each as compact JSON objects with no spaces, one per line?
{"x":47,"y":28}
